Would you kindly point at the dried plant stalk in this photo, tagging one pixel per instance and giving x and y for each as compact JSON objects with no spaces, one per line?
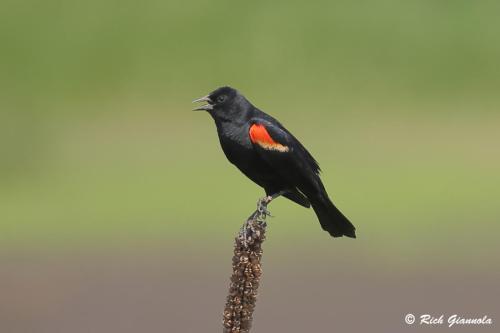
{"x":240,"y":303}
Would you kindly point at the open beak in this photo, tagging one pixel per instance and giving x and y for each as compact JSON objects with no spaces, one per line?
{"x":205,"y":107}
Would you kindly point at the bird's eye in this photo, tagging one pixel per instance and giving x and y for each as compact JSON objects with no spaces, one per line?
{"x":221,"y":98}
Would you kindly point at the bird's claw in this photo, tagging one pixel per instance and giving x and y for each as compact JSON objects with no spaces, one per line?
{"x":259,"y":215}
{"x":262,"y":206}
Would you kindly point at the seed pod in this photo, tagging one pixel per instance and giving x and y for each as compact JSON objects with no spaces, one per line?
{"x":240,"y":304}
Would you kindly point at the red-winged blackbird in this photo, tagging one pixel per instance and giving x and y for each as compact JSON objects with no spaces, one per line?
{"x":267,"y":153}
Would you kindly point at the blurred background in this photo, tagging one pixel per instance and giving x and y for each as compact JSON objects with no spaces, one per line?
{"x":118,"y":208}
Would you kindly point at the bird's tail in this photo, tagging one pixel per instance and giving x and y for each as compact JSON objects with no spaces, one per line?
{"x":331,"y":219}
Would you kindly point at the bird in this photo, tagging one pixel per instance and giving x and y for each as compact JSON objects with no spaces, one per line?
{"x":272,"y":157}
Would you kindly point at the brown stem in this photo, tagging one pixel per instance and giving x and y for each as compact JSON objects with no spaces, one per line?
{"x":240,"y":303}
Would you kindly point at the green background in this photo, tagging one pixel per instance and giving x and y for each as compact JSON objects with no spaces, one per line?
{"x":398,"y":101}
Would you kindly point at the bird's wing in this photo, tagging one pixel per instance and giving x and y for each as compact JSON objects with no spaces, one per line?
{"x":284,"y":153}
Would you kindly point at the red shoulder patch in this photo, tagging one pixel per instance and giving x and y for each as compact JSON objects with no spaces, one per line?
{"x":259,"y":135}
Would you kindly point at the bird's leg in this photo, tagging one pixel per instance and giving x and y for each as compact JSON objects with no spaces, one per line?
{"x":261,"y":213}
{"x":262,"y":205}
{"x":263,"y":202}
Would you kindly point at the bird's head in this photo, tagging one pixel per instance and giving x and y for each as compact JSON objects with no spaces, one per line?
{"x":224,"y":103}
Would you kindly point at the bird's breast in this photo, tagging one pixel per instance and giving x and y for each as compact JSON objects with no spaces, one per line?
{"x":235,"y":135}
{"x":235,"y":143}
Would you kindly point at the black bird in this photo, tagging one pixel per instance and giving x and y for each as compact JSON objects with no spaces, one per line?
{"x":268,"y":154}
